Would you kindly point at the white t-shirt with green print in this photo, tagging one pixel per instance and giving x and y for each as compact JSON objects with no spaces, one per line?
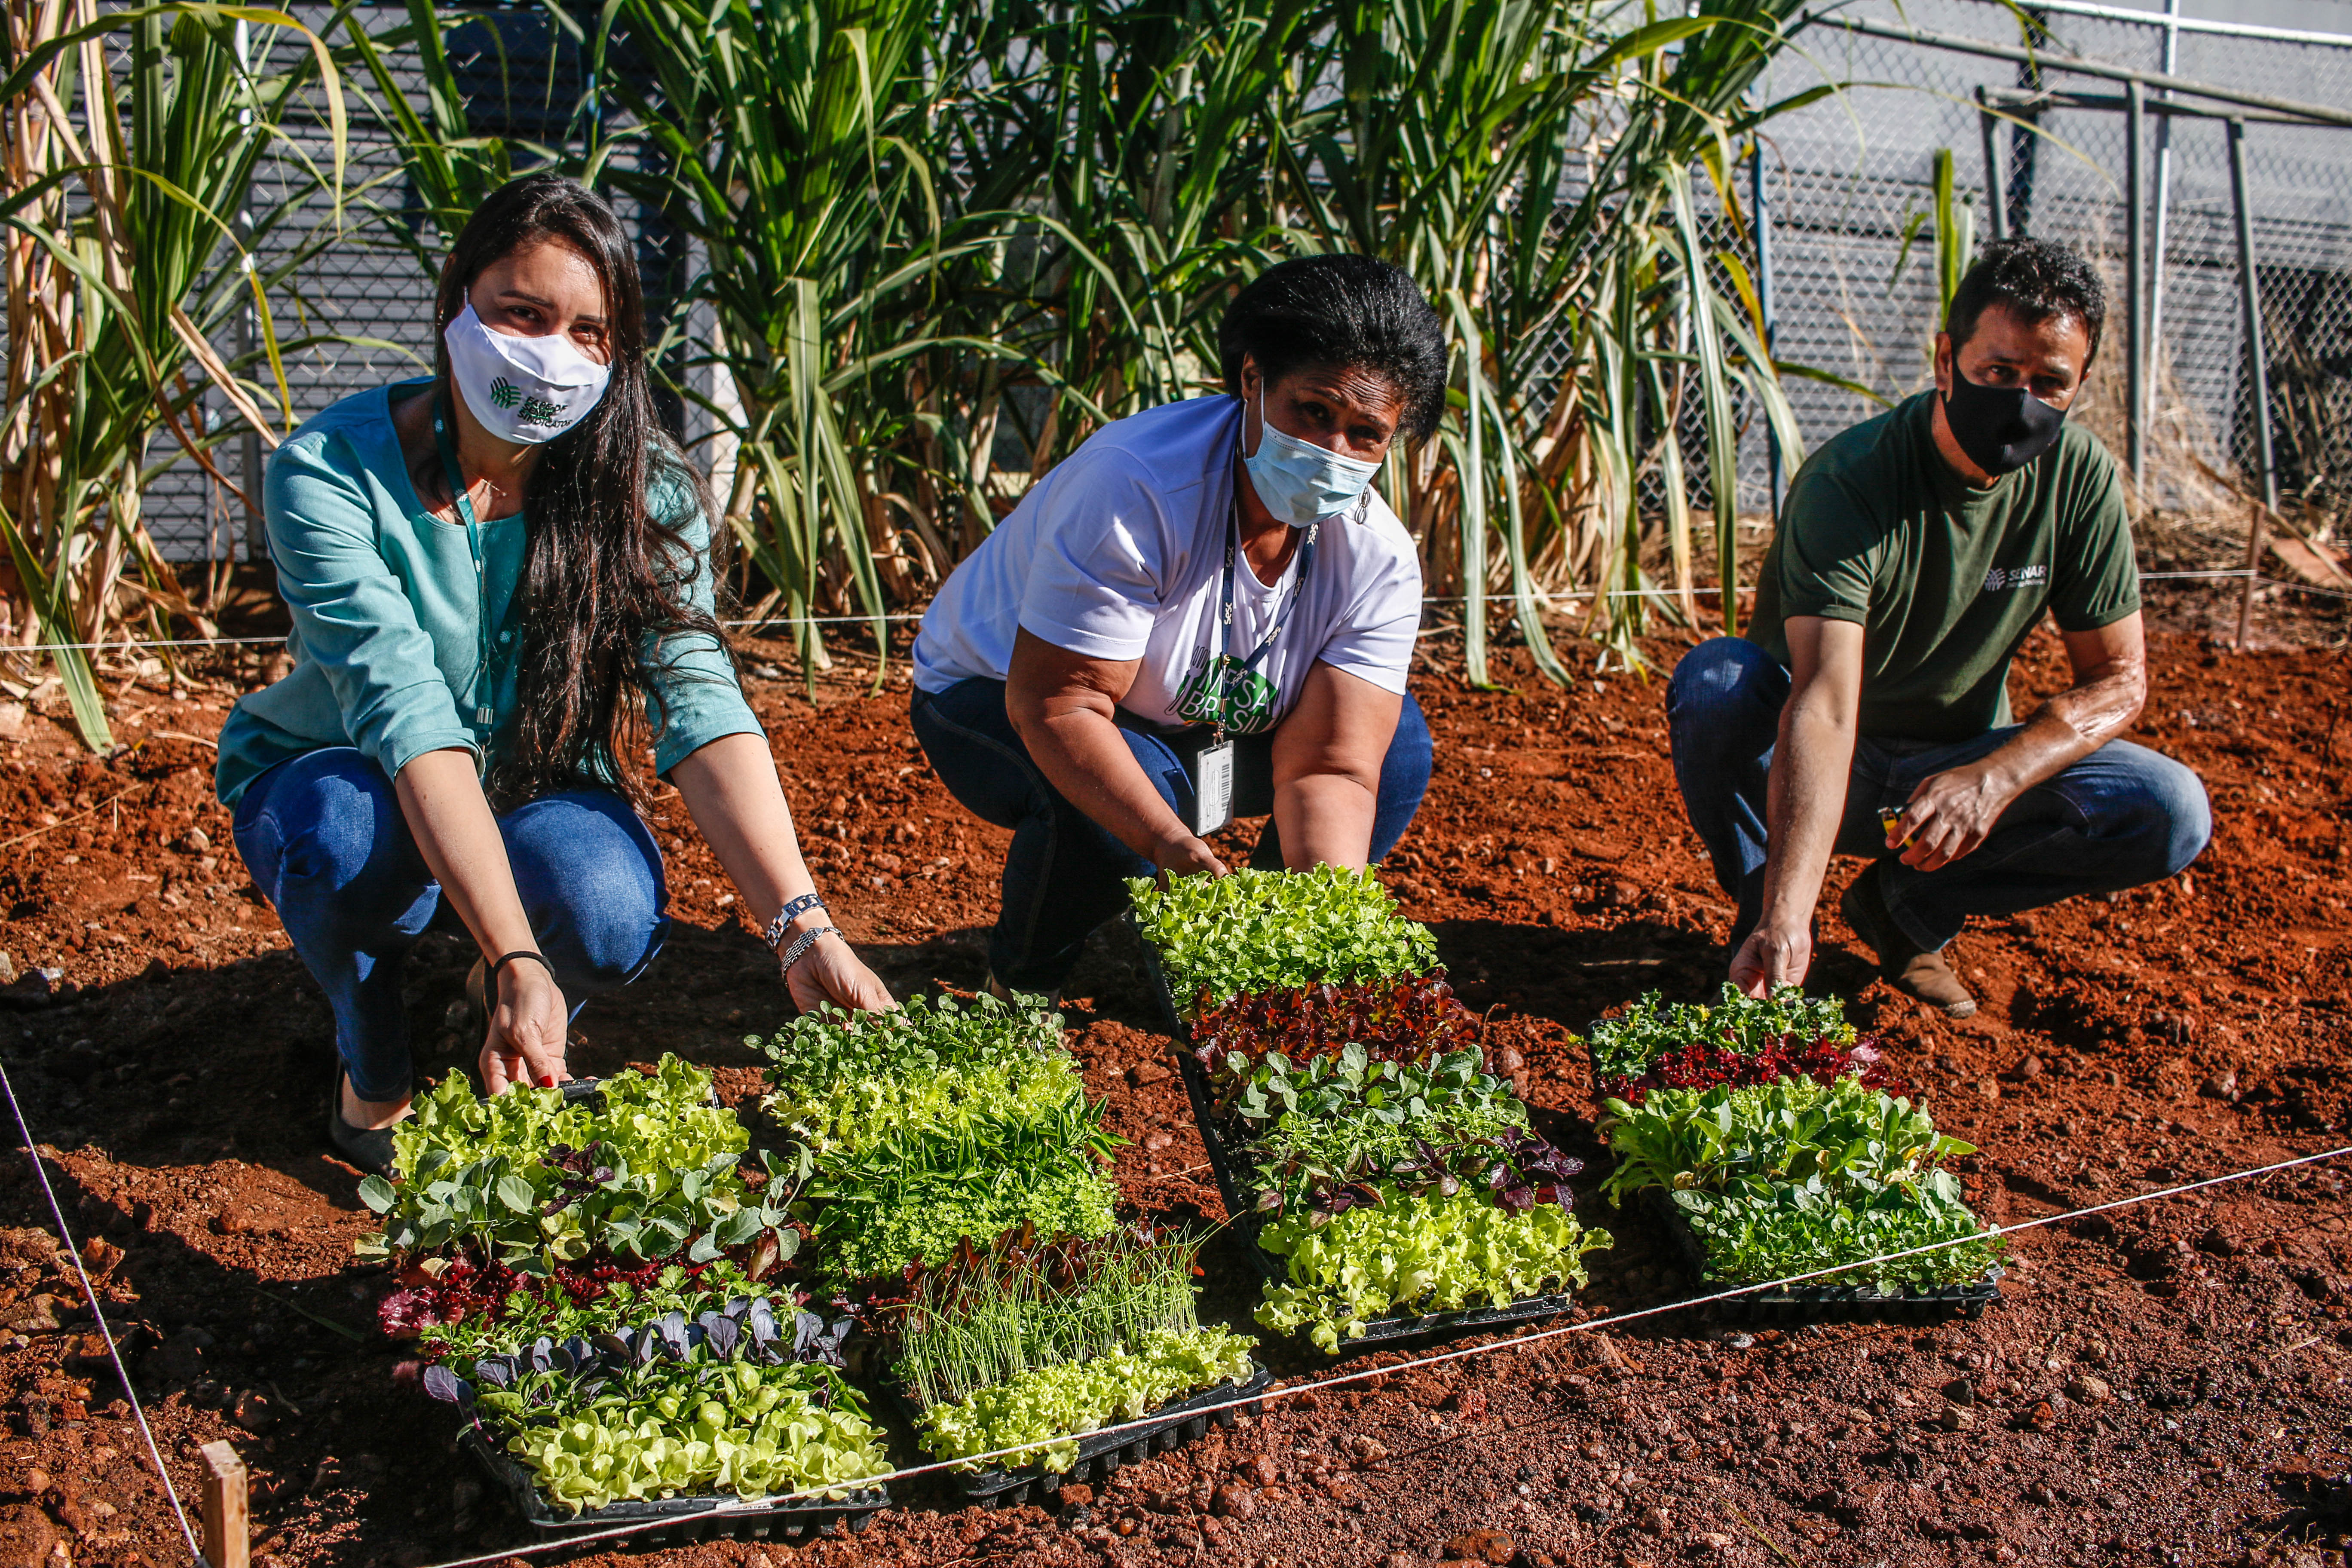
{"x":1119,"y":553}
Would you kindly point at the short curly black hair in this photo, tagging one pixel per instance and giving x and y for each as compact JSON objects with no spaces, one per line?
{"x":1351,"y":312}
{"x":2035,"y":279}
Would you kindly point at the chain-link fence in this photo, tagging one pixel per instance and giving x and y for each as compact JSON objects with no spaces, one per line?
{"x":1848,"y":178}
{"x":1846,"y":181}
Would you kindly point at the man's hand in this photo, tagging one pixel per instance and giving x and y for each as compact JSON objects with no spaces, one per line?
{"x":830,"y":970}
{"x":1770,"y":958}
{"x":1181,"y":854}
{"x":528,"y":1028}
{"x":1950,"y":814}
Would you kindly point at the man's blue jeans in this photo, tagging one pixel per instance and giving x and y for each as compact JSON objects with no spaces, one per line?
{"x":2121,"y":817}
{"x":325,"y":840}
{"x":1065,"y":874}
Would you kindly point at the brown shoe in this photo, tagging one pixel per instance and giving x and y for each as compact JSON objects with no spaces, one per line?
{"x":1920,"y":975}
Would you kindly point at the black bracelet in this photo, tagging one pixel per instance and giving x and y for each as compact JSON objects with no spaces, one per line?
{"x":500,"y":963}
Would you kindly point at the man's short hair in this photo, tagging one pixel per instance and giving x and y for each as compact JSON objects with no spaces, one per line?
{"x":2035,"y":279}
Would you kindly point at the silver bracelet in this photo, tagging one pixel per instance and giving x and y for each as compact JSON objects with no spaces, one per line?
{"x":775,"y":932}
{"x":806,"y":941}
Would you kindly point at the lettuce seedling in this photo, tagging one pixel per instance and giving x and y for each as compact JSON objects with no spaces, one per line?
{"x":1254,"y":930}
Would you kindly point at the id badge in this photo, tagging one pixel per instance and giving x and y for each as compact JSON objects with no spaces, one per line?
{"x":1213,"y":789}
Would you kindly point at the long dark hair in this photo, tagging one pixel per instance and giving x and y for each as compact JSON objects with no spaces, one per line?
{"x":605,"y":576}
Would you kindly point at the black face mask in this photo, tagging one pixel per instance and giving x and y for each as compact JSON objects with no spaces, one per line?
{"x":2001,"y":428}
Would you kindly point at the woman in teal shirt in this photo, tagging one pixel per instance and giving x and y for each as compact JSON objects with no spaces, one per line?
{"x":490,"y":573}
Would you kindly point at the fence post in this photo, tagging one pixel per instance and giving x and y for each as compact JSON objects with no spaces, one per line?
{"x":1996,"y":168}
{"x":2249,"y":295}
{"x":1761,"y":205}
{"x":2155,"y":260}
{"x":228,"y":1539}
{"x":2135,"y":376}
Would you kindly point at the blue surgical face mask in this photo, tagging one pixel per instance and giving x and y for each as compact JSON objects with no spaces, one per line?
{"x":1299,"y":481}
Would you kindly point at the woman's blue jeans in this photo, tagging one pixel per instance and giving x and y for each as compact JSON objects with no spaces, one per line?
{"x":2121,"y":817}
{"x":1066,"y":875}
{"x":325,"y":840}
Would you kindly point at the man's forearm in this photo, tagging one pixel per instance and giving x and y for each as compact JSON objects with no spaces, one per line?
{"x":1810,"y":763}
{"x":2066,"y":729}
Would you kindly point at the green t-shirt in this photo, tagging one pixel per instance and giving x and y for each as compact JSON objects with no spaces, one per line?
{"x":1945,"y":579}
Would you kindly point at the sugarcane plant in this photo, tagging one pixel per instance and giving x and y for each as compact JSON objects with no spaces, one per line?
{"x":132,"y":142}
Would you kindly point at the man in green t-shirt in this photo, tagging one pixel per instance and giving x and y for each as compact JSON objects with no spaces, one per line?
{"x":1866,"y":712}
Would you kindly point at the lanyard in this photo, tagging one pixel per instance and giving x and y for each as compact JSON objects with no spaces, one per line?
{"x":1282,"y":619}
{"x":483,"y":715}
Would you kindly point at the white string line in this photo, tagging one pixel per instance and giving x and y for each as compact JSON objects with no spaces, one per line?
{"x":2232,"y":573}
{"x":1517,"y":1342}
{"x":33,"y":1152}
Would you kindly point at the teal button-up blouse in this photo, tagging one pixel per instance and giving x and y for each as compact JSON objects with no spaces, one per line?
{"x":388,"y":614}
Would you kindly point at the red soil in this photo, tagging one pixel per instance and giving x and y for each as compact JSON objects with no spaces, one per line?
{"x":2163,"y":1385}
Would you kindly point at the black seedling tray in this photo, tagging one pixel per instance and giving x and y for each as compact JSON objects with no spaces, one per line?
{"x":1793,"y":1306}
{"x":690,"y":1519}
{"x":1157,"y":973}
{"x":1101,"y":1454}
{"x":1248,"y":1222}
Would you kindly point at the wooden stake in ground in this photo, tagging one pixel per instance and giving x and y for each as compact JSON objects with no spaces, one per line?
{"x":226,"y":1538}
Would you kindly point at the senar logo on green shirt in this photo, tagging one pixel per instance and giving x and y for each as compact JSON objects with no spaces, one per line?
{"x":1945,"y":579}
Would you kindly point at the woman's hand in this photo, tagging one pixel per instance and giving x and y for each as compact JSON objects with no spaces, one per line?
{"x":830,"y":970}
{"x":1181,"y":854}
{"x":529,"y":1026}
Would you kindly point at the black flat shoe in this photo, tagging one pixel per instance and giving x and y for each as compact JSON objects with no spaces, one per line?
{"x":368,"y":1148}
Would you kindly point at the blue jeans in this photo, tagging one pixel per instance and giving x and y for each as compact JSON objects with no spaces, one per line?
{"x":324,"y":838}
{"x":2121,"y":817}
{"x":1066,"y":875}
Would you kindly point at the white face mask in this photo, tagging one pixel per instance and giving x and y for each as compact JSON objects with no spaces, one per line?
{"x":525,"y":390}
{"x":1299,"y":481}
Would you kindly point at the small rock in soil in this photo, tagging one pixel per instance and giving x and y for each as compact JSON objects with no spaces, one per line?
{"x":1146,"y":1072}
{"x":1366,"y":1451}
{"x":1960,"y":1391}
{"x":2217,"y":1242}
{"x":2090,"y":1390}
{"x":1481,"y":1546}
{"x":1656,"y":1520}
{"x":1404,"y":1559}
{"x":1259,"y":1470}
{"x":1958,"y":1418}
{"x":1469,"y":1403}
{"x":1712,"y":1541}
{"x":1235,"y":1500}
{"x":26,"y":1536}
{"x":1075,"y":1495}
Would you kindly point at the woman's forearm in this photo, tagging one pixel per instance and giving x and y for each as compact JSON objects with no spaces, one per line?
{"x":1326,"y":819}
{"x":441,"y":799}
{"x":736,"y":799}
{"x":1082,"y":754}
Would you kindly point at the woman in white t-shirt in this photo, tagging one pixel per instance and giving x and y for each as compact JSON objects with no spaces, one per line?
{"x":1206,"y":612}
